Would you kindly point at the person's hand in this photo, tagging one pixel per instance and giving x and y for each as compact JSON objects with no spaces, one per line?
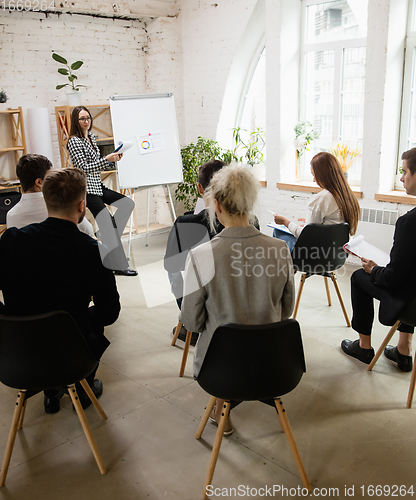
{"x":367,"y":265}
{"x":113,"y":157}
{"x":279,"y":219}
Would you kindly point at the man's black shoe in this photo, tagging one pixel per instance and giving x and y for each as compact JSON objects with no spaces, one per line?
{"x":404,"y":363}
{"x":182,"y":335}
{"x":52,"y":404}
{"x":97,"y":389}
{"x":126,"y":272}
{"x":352,"y":348}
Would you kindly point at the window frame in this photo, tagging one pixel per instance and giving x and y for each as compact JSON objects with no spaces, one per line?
{"x":338,"y":47}
{"x":409,"y":69}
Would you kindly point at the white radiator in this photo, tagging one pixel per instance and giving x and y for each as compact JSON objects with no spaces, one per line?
{"x":377,"y":227}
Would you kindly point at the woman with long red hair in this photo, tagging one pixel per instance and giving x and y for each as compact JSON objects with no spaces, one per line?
{"x":336,"y":203}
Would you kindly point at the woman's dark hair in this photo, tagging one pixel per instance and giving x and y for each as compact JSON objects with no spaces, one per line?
{"x":329,"y":175}
{"x":76,"y":130}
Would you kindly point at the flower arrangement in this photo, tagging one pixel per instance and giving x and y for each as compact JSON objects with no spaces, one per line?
{"x":304,"y":135}
{"x":3,"y":96}
{"x":345,"y":156}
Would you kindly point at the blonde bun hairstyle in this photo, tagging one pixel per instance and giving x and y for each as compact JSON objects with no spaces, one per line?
{"x":235,"y":188}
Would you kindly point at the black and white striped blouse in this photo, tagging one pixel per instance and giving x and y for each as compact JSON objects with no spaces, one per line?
{"x":87,"y":158}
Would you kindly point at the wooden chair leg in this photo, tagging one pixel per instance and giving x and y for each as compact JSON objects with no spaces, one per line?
{"x":216,"y":447}
{"x":94,"y":400}
{"x":328,"y":294}
{"x":412,"y":385}
{"x":12,"y":436}
{"x":334,"y":281}
{"x":22,"y":415}
{"x":292,"y":443}
{"x":87,"y":430}
{"x":185,"y":353}
{"x":380,"y":351}
{"x":302,"y":282}
{"x":175,"y":337}
{"x":205,"y":417}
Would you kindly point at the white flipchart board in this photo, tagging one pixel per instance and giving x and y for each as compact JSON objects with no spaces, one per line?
{"x":149,"y":121}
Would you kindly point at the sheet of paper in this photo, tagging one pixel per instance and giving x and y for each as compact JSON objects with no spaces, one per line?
{"x":282,"y":227}
{"x":151,"y":142}
{"x":126,"y":145}
{"x":360,"y":248}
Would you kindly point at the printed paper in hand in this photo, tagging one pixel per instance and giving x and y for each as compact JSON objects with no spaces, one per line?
{"x":125,"y":145}
{"x":360,"y":248}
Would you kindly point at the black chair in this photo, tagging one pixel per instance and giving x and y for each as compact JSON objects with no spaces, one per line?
{"x":45,"y":352}
{"x":408,"y":316}
{"x":318,"y":251}
{"x":251,"y":363}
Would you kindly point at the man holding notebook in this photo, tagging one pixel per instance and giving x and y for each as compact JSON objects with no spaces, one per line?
{"x":394,"y":285}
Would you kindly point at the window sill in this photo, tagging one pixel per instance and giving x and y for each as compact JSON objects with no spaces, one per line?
{"x":311,"y":187}
{"x":396,"y":197}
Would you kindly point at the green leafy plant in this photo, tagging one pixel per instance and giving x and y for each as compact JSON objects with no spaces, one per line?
{"x":247,"y":150}
{"x":3,"y":96}
{"x":68,"y":71}
{"x":194,"y":155}
{"x":304,"y":135}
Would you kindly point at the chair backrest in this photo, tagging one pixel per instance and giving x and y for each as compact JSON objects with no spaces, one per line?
{"x":253,"y":362}
{"x":318,"y":249}
{"x":408,"y":316}
{"x":43,"y":351}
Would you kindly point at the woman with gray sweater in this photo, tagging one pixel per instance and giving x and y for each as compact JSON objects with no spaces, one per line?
{"x":241,"y":275}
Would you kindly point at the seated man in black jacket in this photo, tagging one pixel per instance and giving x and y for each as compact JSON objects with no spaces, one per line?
{"x":189,"y":230}
{"x":52,"y":266}
{"x":394,"y":285}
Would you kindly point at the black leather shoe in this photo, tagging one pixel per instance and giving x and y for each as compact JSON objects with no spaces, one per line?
{"x":52,"y":404}
{"x":126,"y":272}
{"x":352,"y":348}
{"x":404,"y":363}
{"x":97,"y":389}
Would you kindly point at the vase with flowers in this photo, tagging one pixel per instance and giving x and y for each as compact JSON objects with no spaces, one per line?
{"x":304,"y":135}
{"x":345,"y":156}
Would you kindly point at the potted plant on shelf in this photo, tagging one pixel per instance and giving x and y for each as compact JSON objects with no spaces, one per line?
{"x":193,"y":156}
{"x":73,"y":92}
{"x":345,"y":156}
{"x":3,"y":100}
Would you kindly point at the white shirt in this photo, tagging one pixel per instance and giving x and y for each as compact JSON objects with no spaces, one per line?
{"x":322,"y":209}
{"x":31,"y":209}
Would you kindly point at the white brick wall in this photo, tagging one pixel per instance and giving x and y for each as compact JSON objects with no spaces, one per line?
{"x":120,"y":57}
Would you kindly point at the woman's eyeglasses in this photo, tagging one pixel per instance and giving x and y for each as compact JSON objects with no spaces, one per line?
{"x":84,"y":119}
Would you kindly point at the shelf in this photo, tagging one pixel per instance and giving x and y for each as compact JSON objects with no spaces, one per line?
{"x":17,"y":132}
{"x":310,"y":187}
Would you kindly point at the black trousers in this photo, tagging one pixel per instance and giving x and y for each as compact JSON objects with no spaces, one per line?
{"x":363,"y":293}
{"x":111,"y":227}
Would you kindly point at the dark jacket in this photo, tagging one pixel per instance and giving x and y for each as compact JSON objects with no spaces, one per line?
{"x":398,"y":278}
{"x":53,"y":266}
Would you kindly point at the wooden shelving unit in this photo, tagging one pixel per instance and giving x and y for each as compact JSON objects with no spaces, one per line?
{"x":63,"y":124}
{"x":17,"y":132}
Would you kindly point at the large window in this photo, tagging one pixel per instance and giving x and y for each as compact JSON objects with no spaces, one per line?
{"x":408,"y":124}
{"x":333,"y":76}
